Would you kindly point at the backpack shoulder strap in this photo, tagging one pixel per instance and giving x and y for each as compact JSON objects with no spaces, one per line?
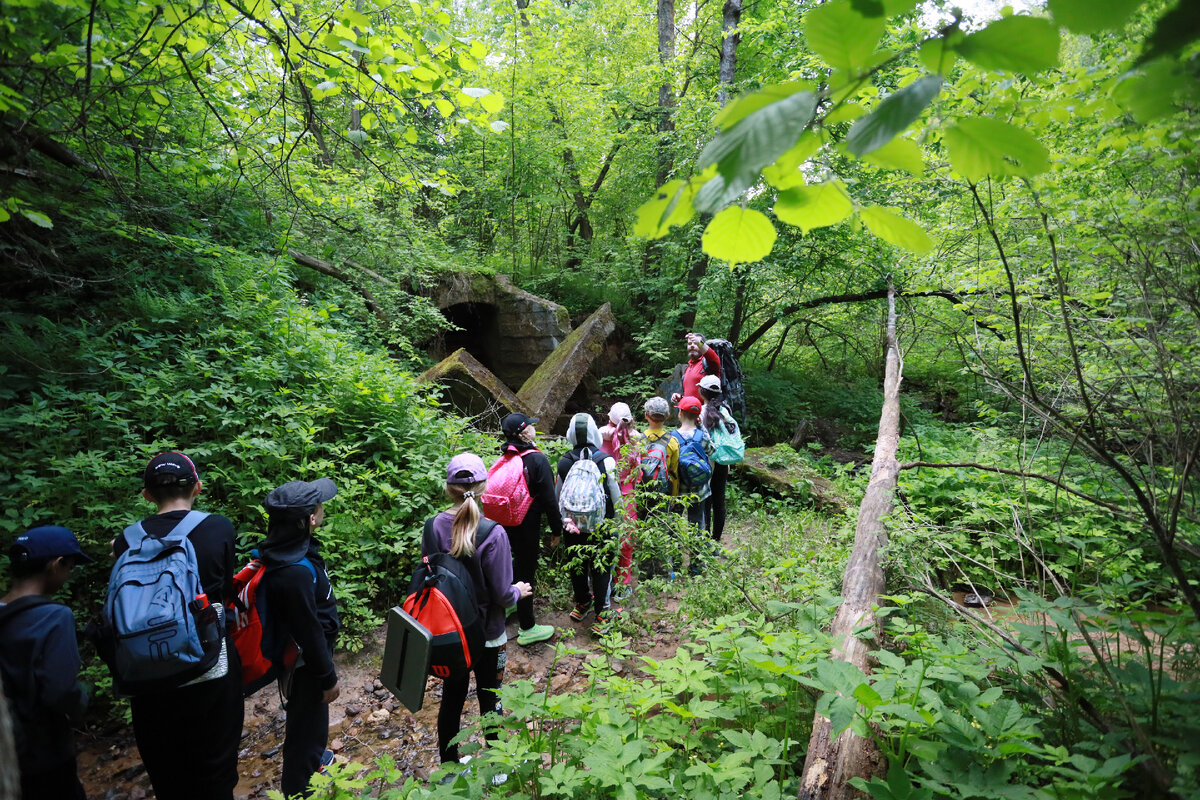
{"x":311,"y":569}
{"x":23,"y":604}
{"x":429,"y":543}
{"x":185,"y":526}
{"x":486,"y":526}
{"x":134,"y":535}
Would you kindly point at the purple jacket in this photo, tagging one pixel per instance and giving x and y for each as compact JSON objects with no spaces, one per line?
{"x":491,"y":571}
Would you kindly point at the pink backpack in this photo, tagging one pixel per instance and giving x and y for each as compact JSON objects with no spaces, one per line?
{"x":507,"y":499}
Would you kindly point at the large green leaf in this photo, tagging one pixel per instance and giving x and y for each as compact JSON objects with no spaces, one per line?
{"x":809,"y":207}
{"x":785,"y":172}
{"x":1090,"y":16}
{"x":895,"y":113}
{"x":895,"y":229}
{"x":744,"y":106}
{"x":741,"y":152}
{"x":670,"y":206}
{"x":842,"y":36}
{"x":1151,"y":91}
{"x":738,"y":235}
{"x":1013,"y":44}
{"x":980,"y":146}
{"x":1174,"y":30}
{"x":902,"y":154}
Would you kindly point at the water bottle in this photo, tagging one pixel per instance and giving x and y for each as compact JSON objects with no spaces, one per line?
{"x":208,"y":622}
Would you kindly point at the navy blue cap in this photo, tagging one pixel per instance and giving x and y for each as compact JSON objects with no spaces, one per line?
{"x":300,"y":496}
{"x":45,"y":543}
{"x":514,"y":423}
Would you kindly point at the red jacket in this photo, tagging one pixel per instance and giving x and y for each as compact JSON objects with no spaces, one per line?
{"x":708,"y":364}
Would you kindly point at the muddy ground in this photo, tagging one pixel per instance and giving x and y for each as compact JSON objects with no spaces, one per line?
{"x":367,"y":722}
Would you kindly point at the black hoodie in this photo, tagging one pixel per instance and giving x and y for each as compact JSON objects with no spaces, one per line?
{"x":297,"y":605}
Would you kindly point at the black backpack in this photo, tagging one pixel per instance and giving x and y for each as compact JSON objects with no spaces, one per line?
{"x":442,"y":598}
{"x":733,"y":393}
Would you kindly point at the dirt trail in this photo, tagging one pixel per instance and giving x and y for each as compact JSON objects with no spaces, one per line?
{"x":366,"y":721}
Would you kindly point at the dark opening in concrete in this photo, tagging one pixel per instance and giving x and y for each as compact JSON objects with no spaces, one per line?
{"x":480,"y":334}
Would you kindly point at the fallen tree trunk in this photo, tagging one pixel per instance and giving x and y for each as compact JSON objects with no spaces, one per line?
{"x":333,"y":271}
{"x":832,"y":761}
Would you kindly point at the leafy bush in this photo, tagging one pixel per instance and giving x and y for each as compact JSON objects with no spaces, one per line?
{"x":223,"y":363}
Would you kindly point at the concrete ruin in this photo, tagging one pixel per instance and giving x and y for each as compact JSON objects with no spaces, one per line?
{"x":508,"y":330}
{"x":508,"y":337}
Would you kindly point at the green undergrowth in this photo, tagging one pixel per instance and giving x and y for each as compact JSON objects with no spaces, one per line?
{"x":260,"y":385}
{"x":957,"y":710}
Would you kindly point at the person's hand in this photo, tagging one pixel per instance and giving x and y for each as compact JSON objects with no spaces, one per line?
{"x":524,"y":588}
{"x":675,"y":398}
{"x":331,"y":694}
{"x":555,"y":541}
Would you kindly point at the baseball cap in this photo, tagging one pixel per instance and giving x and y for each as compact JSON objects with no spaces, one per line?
{"x":45,"y":543}
{"x":466,"y":468}
{"x":710,"y":382}
{"x":657,"y":407}
{"x":620,"y":412}
{"x":170,"y":469}
{"x":300,"y":496}
{"x":689,"y":404}
{"x":516,"y":422}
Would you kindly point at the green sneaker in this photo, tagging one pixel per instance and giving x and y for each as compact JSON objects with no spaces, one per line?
{"x":538,"y":633}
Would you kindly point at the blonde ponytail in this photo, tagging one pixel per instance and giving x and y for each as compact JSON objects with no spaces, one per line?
{"x":466,"y":516}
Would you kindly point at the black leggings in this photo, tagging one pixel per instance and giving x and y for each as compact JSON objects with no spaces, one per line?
{"x":590,"y":567}
{"x":716,"y":501}
{"x":489,"y":673}
{"x":526,"y":542}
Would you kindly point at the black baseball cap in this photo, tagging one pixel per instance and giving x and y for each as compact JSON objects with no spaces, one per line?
{"x":513,"y":424}
{"x":45,"y":543}
{"x":300,"y":496}
{"x":170,"y":469}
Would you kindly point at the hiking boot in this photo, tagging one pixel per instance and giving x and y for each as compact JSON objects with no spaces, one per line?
{"x":538,"y":633}
{"x":581,"y":610}
{"x":603,"y":618}
{"x":622,"y":592}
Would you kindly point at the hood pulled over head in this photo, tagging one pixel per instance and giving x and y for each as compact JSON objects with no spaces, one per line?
{"x":582,"y":432}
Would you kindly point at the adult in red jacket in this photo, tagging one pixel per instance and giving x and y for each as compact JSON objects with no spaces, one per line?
{"x":702,"y":360}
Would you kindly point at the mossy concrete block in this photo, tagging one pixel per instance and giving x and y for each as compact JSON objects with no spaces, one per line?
{"x":472,"y":389}
{"x":547,"y":390}
{"x":783,"y":471}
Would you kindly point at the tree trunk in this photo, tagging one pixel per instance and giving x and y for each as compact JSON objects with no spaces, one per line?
{"x":731,"y":17}
{"x":325,"y":268}
{"x":666,"y":91}
{"x":832,"y":762}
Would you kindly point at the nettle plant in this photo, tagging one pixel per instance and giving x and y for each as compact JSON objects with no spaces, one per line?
{"x":875,"y":68}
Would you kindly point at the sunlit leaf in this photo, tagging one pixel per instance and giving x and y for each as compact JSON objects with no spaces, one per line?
{"x":785,"y":172}
{"x":896,"y":229}
{"x":902,"y":154}
{"x":1013,"y":44}
{"x":670,"y":206}
{"x":809,"y":207}
{"x":842,"y":36}
{"x":1091,"y":16}
{"x":37,"y":218}
{"x":1174,"y":30}
{"x":738,"y":235}
{"x":979,"y":146}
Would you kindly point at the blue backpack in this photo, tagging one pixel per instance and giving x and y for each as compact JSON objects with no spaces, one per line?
{"x":150,"y":613}
{"x":695,"y":470}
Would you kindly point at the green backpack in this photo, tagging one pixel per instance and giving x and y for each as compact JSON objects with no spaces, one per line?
{"x":727,"y":437}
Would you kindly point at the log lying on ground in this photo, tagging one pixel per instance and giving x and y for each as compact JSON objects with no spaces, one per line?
{"x":832,"y":761}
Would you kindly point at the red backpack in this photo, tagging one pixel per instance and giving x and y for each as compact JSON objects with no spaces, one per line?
{"x":442,"y":599}
{"x":507,"y":499}
{"x":257,"y":670}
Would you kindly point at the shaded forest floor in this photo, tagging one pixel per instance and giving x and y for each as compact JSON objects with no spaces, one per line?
{"x":366,"y":722}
